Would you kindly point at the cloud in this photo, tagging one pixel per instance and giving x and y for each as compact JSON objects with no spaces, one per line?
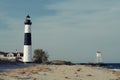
{"x":68,"y":29}
{"x":80,"y":27}
{"x":11,"y":33}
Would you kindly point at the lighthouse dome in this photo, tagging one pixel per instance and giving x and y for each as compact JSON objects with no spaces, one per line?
{"x":28,"y":21}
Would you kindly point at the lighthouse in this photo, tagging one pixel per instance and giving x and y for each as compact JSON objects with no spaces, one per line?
{"x":27,"y":52}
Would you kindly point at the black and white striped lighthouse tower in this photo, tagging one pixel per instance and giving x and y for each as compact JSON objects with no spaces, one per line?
{"x":27,"y":57}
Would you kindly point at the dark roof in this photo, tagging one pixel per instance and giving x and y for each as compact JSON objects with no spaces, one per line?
{"x":28,"y":16}
{"x":98,"y":51}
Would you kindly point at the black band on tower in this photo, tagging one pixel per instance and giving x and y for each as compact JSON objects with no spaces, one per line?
{"x":27,"y":39}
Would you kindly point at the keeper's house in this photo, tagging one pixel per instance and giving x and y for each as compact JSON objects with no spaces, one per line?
{"x":11,"y":56}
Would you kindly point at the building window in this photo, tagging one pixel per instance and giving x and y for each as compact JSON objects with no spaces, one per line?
{"x":18,"y":55}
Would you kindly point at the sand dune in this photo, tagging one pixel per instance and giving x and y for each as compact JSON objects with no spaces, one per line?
{"x":59,"y":72}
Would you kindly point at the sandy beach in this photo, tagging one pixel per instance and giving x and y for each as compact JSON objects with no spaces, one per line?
{"x":59,"y":72}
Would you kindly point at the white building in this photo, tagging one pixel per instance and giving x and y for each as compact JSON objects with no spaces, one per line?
{"x":11,"y":56}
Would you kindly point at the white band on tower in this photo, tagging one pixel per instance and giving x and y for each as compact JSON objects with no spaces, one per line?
{"x":27,"y":29}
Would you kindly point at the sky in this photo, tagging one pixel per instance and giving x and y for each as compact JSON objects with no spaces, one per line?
{"x":72,"y":30}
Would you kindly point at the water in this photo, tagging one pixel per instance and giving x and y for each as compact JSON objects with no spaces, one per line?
{"x":113,"y":66}
{"x":7,"y":66}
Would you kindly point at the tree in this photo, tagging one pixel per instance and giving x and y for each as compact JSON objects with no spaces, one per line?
{"x":40,"y":56}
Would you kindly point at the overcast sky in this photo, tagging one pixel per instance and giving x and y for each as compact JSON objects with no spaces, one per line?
{"x":70,"y":30}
